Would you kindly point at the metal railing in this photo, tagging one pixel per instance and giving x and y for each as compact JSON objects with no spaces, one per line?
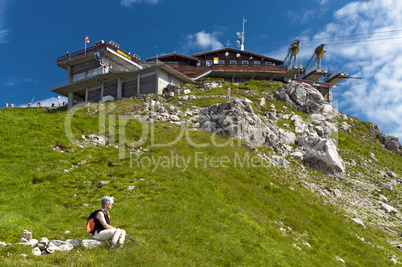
{"x":99,"y":71}
{"x":92,"y":50}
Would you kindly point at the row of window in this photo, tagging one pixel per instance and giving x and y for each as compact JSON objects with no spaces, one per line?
{"x":234,"y":63}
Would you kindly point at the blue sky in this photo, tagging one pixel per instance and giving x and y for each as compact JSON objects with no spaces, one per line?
{"x":364,"y":37}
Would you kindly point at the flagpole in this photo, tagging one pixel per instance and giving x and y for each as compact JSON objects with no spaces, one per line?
{"x":85,"y":39}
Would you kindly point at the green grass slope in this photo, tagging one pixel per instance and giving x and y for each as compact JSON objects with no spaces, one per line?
{"x":226,"y":208}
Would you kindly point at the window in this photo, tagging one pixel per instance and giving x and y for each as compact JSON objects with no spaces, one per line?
{"x":257,"y":63}
{"x":268,"y":64}
{"x":198,"y":63}
{"x":244,"y":62}
{"x":233,"y":63}
{"x":221,"y":62}
{"x":209,"y":63}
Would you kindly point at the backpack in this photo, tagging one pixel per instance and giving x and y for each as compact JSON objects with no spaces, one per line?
{"x":91,"y":221}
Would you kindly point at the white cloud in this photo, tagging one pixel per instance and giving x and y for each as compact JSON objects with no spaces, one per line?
{"x":13,"y":81}
{"x":3,"y":30}
{"x":128,"y":3}
{"x":203,"y":40}
{"x":375,"y":56}
{"x":372,"y":50}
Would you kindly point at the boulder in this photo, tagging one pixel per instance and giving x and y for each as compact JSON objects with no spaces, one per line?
{"x":172,"y":87}
{"x":57,"y":245}
{"x":36,"y":251}
{"x":91,"y":243}
{"x":174,"y":118}
{"x":387,"y":208}
{"x":43,"y":243}
{"x":307,"y":98}
{"x":186,"y":91}
{"x":160,"y":109}
{"x":297,"y":155}
{"x":27,"y":235}
{"x":386,"y":186}
{"x":322,"y":155}
{"x":261,"y":101}
{"x":74,"y":242}
{"x":390,"y":142}
{"x":211,"y":85}
{"x":236,"y":119}
{"x":170,"y":94}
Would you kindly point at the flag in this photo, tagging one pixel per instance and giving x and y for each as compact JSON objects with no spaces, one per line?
{"x":87,"y":39}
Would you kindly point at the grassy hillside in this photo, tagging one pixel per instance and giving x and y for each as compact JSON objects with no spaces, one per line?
{"x":215,"y":204}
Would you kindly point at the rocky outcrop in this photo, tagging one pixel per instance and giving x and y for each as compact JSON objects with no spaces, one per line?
{"x":322,"y":155}
{"x":237,"y":119}
{"x":208,"y":85}
{"x":302,"y":97}
{"x":390,"y":142}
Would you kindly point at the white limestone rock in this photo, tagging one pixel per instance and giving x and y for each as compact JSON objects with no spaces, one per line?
{"x":389,"y":209}
{"x":307,"y":98}
{"x":261,"y":101}
{"x":74,"y":242}
{"x":43,"y":243}
{"x":174,"y":118}
{"x":358,"y":221}
{"x":57,"y":245}
{"x":322,"y":155}
{"x":27,"y":235}
{"x":36,"y":251}
{"x":91,"y":243}
{"x":386,"y":186}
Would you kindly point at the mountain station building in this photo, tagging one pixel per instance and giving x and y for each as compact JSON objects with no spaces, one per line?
{"x":107,"y":72}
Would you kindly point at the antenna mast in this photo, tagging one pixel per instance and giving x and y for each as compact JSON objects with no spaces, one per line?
{"x":240,"y":38}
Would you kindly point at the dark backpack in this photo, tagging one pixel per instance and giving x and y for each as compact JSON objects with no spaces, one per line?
{"x":91,"y":221}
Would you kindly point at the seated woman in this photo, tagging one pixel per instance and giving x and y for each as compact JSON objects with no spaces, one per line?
{"x":103,"y":230}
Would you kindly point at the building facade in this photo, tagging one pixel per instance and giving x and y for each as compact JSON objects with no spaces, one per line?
{"x":106,"y":72}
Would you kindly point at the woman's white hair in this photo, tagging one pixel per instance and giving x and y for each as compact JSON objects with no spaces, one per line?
{"x":106,"y":200}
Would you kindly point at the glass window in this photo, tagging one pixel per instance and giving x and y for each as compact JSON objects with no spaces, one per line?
{"x":221,"y":62}
{"x":233,"y":63}
{"x":257,"y":63}
{"x":209,"y":63}
{"x":244,"y":62}
{"x":199,"y":63}
{"x":268,"y":63}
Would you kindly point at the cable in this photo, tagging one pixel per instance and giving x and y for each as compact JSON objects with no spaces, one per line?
{"x":351,"y":35}
{"x":368,"y":40}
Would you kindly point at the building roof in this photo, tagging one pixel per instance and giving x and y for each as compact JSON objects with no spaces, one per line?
{"x":278,"y":62}
{"x":173,"y":56}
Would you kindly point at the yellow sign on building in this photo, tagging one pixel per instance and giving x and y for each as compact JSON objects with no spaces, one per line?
{"x":123,"y":53}
{"x":216,"y":60}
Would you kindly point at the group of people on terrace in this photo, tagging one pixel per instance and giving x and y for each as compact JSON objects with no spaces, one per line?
{"x":39,"y":104}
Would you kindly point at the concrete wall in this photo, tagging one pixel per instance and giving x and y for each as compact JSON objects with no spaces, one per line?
{"x":165,"y":78}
